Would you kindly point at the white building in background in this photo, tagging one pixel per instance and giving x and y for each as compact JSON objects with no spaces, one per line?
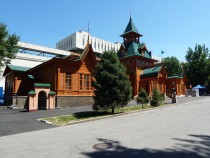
{"x":78,"y":40}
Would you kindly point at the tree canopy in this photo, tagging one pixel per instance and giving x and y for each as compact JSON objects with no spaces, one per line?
{"x":197,"y":65}
{"x":8,"y":45}
{"x":172,"y":66}
{"x":112,"y":86}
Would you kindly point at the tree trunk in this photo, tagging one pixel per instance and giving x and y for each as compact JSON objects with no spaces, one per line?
{"x":112,"y":110}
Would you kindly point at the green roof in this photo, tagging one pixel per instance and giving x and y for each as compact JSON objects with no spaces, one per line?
{"x":133,"y":49}
{"x":44,"y":85}
{"x":51,"y":93}
{"x":31,"y":76}
{"x":175,"y":76}
{"x":130,"y":28}
{"x":18,"y":68}
{"x":151,"y":72}
{"x":32,"y":92}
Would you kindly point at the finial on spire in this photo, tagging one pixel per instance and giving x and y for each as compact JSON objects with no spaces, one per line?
{"x":130,"y":15}
{"x":88,"y":33}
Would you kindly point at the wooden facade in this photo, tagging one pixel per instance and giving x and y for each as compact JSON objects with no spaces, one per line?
{"x":71,"y":77}
{"x":143,"y":71}
{"x":156,"y":80}
{"x":67,"y":76}
{"x":177,"y":82}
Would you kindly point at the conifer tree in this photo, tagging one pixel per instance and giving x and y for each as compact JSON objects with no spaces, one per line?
{"x":142,"y":97}
{"x":112,"y":86}
{"x":156,"y":98}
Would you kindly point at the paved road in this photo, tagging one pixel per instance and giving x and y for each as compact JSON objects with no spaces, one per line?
{"x":181,"y":131}
{"x":15,"y":121}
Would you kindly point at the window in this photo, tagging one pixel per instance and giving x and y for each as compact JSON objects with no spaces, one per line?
{"x":68,"y":80}
{"x":86,"y":82}
{"x":80,"y":79}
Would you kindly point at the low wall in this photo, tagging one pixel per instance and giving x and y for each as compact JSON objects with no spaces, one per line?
{"x":65,"y":101}
{"x":20,"y":101}
{"x":61,"y":101}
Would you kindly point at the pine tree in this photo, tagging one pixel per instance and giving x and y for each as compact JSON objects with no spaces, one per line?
{"x":8,"y":45}
{"x":156,"y":98}
{"x":142,"y":97}
{"x":112,"y":86}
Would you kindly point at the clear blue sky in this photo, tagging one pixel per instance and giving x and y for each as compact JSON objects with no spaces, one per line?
{"x":172,"y":26}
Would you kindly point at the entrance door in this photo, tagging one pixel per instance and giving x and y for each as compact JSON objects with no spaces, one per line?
{"x":42,"y":100}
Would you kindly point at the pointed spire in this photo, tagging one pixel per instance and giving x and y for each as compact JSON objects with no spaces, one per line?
{"x":130,"y":19}
{"x":130,"y":28}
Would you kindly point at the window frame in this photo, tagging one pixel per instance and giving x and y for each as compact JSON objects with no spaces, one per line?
{"x":68,"y":77}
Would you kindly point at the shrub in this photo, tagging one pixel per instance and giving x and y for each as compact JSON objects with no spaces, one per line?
{"x":156,"y":98}
{"x":142,"y":97}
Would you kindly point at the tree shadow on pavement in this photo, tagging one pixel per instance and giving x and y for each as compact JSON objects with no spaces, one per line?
{"x":199,"y":147}
{"x":87,"y":114}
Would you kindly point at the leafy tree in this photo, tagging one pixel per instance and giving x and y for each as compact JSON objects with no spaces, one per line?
{"x":172,"y":65}
{"x":112,"y":86}
{"x":197,"y":65}
{"x":208,"y":84}
{"x":156,"y":98}
{"x":8,"y":45}
{"x":142,"y":97}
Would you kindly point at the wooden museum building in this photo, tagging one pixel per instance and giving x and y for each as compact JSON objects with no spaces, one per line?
{"x":67,"y":81}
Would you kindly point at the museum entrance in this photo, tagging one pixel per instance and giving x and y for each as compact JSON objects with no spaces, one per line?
{"x":42,"y":100}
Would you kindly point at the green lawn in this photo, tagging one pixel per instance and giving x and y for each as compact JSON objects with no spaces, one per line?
{"x":65,"y":119}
